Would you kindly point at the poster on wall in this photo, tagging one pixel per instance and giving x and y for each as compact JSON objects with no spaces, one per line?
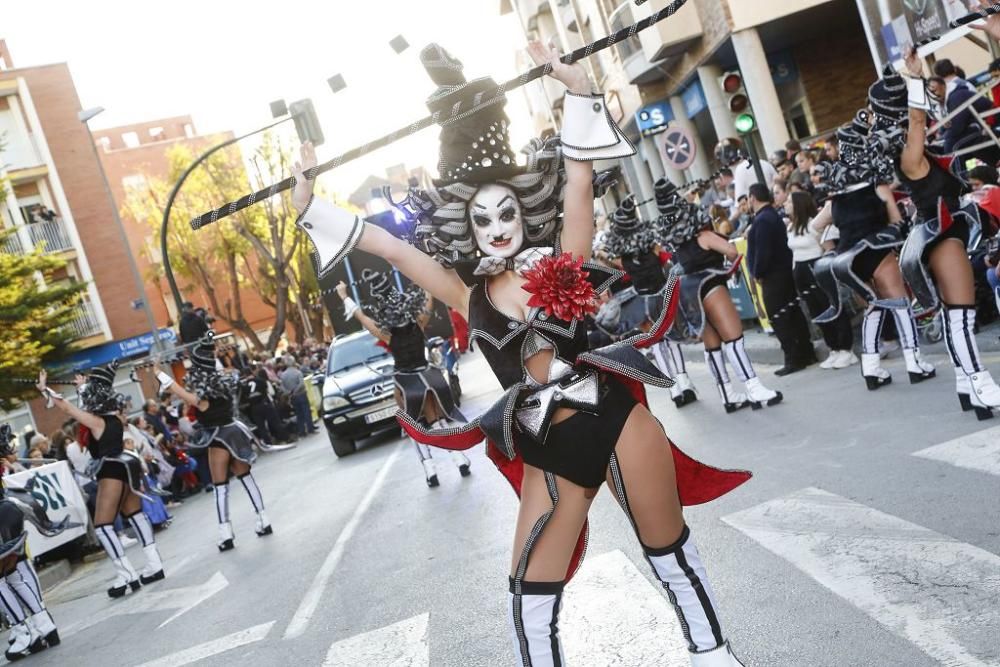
{"x":894,"y":24}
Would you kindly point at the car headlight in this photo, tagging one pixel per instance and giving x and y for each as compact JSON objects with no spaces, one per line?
{"x":334,"y":402}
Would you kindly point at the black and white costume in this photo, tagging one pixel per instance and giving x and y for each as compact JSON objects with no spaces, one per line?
{"x":110,"y":460}
{"x":217,"y":426}
{"x":397,"y":314}
{"x":701,"y":273}
{"x":602,"y":386}
{"x":31,"y":626}
{"x":634,"y":243}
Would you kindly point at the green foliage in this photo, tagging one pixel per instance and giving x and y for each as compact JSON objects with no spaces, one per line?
{"x":33,"y":318}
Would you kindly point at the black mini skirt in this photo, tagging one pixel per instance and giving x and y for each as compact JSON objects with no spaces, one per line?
{"x":579,"y":448}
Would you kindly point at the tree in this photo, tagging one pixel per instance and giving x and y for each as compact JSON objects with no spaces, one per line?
{"x":34,"y":316}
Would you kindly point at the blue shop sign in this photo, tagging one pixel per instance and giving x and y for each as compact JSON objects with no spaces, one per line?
{"x":119,"y":349}
{"x":783,"y":67}
{"x":653,"y":116}
{"x":694,"y":99}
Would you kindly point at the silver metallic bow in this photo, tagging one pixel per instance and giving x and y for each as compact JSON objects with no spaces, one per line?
{"x":580,"y":391}
{"x":521,"y":262}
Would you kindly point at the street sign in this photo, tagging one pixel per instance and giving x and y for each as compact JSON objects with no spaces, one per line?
{"x":678,"y":148}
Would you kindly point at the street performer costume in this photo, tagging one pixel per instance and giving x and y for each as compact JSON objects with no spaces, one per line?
{"x":230,"y":443}
{"x":706,"y":309}
{"x":635,"y":244}
{"x":935,"y":260}
{"x":31,"y":626}
{"x":865,"y":213}
{"x":422,"y":392}
{"x":571,"y":419}
{"x":118,"y":472}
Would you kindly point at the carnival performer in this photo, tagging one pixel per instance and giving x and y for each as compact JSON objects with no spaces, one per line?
{"x":706,"y":308}
{"x":398,"y":319}
{"x":31,"y":628}
{"x":864,"y":210}
{"x":634,"y":244}
{"x":229,"y":442}
{"x":571,"y":419}
{"x":118,"y":473}
{"x":935,"y":260}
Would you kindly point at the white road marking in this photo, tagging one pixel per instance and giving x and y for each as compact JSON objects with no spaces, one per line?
{"x":402,"y":644}
{"x":214,"y":647}
{"x":300,"y":621}
{"x":152,"y":599}
{"x":937,"y":592}
{"x":612,"y":615}
{"x":976,"y":451}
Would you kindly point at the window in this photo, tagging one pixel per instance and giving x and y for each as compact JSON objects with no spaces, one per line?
{"x":622,"y":17}
{"x":156,"y":133}
{"x":104,"y":143}
{"x":131,"y":139}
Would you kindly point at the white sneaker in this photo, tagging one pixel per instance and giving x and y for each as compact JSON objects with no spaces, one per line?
{"x":831,"y":359}
{"x":846,"y":359}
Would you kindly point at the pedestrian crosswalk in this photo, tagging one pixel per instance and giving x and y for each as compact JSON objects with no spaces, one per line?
{"x":977,"y":451}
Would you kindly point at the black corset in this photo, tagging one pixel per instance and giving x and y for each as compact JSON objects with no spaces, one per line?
{"x":407,"y":344}
{"x":646,"y":272}
{"x":502,"y":338}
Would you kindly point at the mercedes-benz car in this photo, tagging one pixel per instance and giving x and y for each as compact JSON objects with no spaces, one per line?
{"x":357,"y":391}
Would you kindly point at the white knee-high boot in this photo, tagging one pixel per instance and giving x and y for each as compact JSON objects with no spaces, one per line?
{"x":533,"y":615}
{"x":732,"y":400}
{"x":126,"y":577}
{"x":262,"y":526}
{"x":975,"y":386}
{"x":757,"y":393}
{"x":670,"y":360}
{"x":430,"y":472}
{"x":153,"y":571}
{"x":227,"y":540}
{"x":871,"y":362}
{"x":918,"y":369}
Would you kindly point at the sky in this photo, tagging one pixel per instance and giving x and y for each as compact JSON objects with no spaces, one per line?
{"x":224,"y":61}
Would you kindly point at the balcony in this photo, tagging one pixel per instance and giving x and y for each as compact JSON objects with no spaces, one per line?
{"x":12,"y":245}
{"x":52,"y":234}
{"x":85,"y":324}
{"x":672,"y":36}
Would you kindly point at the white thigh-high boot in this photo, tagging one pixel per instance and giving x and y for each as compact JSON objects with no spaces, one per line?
{"x":533,"y":615}
{"x":670,"y":360}
{"x":460,"y":460}
{"x":126,"y":577}
{"x":732,"y":400}
{"x":430,"y":472}
{"x":227,"y":540}
{"x":153,"y":570}
{"x":918,"y":369}
{"x":871,"y":361}
{"x":757,"y":393}
{"x":24,"y":582}
{"x":974,"y":384}
{"x":679,"y":570}
{"x":262,"y":526}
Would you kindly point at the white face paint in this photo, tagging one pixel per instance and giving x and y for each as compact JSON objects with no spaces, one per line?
{"x":495,"y":216}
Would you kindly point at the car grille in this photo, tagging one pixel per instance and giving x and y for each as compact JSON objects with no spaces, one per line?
{"x":372,"y":393}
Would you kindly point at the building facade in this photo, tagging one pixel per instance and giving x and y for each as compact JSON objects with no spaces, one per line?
{"x":671,"y":74}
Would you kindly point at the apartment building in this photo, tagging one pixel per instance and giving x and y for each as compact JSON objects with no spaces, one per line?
{"x":804,"y":65}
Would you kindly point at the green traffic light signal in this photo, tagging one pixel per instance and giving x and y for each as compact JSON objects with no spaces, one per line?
{"x":745,"y":123}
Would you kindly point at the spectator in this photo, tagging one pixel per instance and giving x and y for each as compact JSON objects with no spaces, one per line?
{"x":770,"y":263}
{"x":963,"y":129}
{"x":740,"y":220}
{"x":832,"y":149}
{"x":785,"y":170}
{"x":261,"y":410}
{"x":730,"y":153}
{"x":153,"y":416}
{"x":192,"y":326}
{"x":806,"y":249}
{"x":780,"y":191}
{"x":41,"y":443}
{"x":804,"y":163}
{"x":294,"y":386}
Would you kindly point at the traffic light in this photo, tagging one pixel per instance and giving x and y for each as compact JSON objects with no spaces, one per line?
{"x":306,"y":123}
{"x":737,"y":101}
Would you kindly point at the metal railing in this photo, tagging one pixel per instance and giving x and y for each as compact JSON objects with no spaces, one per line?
{"x":52,"y":234}
{"x":12,"y":245}
{"x":85,"y":323}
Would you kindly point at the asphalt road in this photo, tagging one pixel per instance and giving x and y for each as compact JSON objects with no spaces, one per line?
{"x":845,"y":549}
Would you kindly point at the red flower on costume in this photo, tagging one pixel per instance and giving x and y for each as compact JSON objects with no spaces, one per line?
{"x":559,"y":285}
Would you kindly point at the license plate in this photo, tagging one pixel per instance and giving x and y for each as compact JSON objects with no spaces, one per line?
{"x":373,"y":417}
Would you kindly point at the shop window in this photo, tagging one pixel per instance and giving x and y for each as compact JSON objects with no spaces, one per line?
{"x":798,"y":121}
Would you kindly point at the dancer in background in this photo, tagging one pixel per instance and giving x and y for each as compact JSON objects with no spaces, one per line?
{"x":422,"y":392}
{"x":118,"y":472}
{"x":229,"y":442}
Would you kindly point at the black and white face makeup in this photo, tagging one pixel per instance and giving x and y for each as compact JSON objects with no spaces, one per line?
{"x":495,"y":216}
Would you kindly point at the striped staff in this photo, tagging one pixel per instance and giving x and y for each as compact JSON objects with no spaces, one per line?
{"x":972,"y":17}
{"x":457,"y":112}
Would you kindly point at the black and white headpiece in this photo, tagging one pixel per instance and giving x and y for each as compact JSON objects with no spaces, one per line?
{"x":389,"y":307}
{"x":204,"y":378}
{"x":680,"y":220}
{"x":628,"y":234}
{"x":6,"y":440}
{"x":97,"y":394}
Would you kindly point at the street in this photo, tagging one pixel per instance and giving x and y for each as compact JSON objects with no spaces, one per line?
{"x":868,"y":537}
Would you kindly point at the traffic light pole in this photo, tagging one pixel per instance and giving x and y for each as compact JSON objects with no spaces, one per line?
{"x":754,"y":160}
{"x":167,"y":269}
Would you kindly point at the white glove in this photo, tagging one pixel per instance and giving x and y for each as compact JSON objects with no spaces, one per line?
{"x":333,"y":231}
{"x":916,"y":94}
{"x":165,"y":381}
{"x":589,"y":133}
{"x":349,"y":307}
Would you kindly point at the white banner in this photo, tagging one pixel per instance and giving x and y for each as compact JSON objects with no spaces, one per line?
{"x":55,"y":490}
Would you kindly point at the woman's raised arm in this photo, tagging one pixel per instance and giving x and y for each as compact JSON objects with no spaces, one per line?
{"x":443,"y":283}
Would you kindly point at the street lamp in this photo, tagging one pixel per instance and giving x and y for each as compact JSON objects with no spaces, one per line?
{"x":84,"y":116}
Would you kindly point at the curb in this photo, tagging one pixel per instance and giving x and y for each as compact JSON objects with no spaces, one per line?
{"x":55,"y":574}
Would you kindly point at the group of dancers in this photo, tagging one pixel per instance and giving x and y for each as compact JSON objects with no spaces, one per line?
{"x":509,"y":247}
